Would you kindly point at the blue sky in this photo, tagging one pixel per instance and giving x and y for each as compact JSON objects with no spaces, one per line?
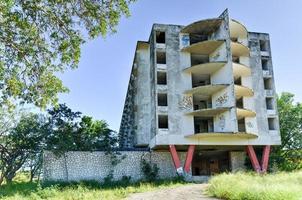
{"x":98,"y":87}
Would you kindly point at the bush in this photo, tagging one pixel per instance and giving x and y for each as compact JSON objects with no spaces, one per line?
{"x":149,"y":170}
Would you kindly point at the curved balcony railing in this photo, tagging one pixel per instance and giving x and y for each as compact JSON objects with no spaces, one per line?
{"x":205,"y":68}
{"x":204,"y":47}
{"x":239,"y":49}
{"x":242,"y":113}
{"x":222,"y":135}
{"x":203,"y":26}
{"x":242,"y":91}
{"x":241,"y":70}
{"x":237,"y":29}
{"x":208,"y":112}
{"x":206,"y":90}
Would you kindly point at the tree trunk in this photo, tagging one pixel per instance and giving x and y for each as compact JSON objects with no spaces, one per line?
{"x":1,"y":179}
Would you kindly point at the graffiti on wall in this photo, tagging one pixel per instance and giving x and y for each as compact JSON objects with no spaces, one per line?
{"x":220,"y":101}
{"x":221,"y":122}
{"x":250,"y":124}
{"x":185,"y":40}
{"x":186,"y":103}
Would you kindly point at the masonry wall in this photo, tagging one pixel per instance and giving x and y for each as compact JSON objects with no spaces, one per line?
{"x":80,"y":165}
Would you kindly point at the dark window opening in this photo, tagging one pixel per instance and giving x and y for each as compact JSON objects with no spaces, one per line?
{"x":197,"y":59}
{"x":234,"y":39}
{"x":263,"y":45}
{"x":160,"y":37}
{"x":163,"y":121}
{"x":238,"y":81}
{"x":271,"y":123}
{"x":235,"y":59}
{"x":264,"y":63}
{"x":162,"y":100}
{"x":160,"y":57}
{"x":162,"y":78}
{"x":203,"y":125}
{"x":268,"y":85}
{"x":194,"y":38}
{"x":201,"y":102}
{"x":200,"y":80}
{"x":241,"y":125}
{"x":239,"y":103}
{"x":269,"y":103}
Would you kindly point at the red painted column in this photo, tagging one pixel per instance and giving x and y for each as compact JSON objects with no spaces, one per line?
{"x":254,"y":160}
{"x":189,"y":158}
{"x":265,"y":158}
{"x":175,"y":159}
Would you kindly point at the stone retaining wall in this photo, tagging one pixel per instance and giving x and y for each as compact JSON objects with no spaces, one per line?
{"x":80,"y":165}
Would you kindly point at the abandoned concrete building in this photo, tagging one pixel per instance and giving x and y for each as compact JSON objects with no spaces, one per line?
{"x":200,"y":101}
{"x":207,"y":89}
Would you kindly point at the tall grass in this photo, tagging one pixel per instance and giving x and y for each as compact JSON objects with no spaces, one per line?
{"x":251,"y":186}
{"x":88,"y":190}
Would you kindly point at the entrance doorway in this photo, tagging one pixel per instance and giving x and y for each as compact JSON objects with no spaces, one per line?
{"x":207,"y":163}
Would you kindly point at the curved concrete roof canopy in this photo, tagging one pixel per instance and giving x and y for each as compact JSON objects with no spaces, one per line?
{"x":237,"y":29}
{"x":206,"y":26}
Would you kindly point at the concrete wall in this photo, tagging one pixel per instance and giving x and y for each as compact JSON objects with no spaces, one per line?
{"x":76,"y":166}
{"x":83,"y":165}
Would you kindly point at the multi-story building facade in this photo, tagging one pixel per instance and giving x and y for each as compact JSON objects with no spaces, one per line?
{"x":206,"y":88}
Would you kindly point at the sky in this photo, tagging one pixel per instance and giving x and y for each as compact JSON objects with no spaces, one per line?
{"x":98,"y":87}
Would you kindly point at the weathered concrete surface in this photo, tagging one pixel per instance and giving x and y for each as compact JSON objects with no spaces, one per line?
{"x":192,"y":192}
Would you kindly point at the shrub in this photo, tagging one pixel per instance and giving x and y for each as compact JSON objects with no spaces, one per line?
{"x":149,"y":170}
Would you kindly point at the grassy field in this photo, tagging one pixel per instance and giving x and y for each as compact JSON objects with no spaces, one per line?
{"x":249,"y":186}
{"x":22,"y":190}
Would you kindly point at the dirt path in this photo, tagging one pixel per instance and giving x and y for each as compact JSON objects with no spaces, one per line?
{"x":192,"y":192}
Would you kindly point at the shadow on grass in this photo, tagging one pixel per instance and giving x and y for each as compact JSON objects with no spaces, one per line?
{"x":26,"y":188}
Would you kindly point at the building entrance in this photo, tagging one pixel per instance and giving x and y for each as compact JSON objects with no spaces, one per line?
{"x":210,"y":162}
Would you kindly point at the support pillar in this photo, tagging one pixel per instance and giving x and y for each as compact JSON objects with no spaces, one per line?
{"x":175,"y":159}
{"x":189,"y":158}
{"x":254,"y":160}
{"x":265,"y":158}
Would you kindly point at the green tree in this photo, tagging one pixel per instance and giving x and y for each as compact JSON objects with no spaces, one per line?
{"x":69,"y":131}
{"x":19,"y":143}
{"x":42,"y":37}
{"x":288,"y":156}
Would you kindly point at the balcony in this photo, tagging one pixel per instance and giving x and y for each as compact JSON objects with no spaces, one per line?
{"x":206,"y":90}
{"x":241,"y":70}
{"x":205,"y":68}
{"x":217,"y":135}
{"x":204,"y":47}
{"x":239,"y":49}
{"x":242,"y":113}
{"x":206,"y":26}
{"x":237,"y":30}
{"x":208,"y":112}
{"x":242,"y":91}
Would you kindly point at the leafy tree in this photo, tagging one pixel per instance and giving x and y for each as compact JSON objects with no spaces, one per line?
{"x":24,"y":139}
{"x":288,"y":156}
{"x":19,"y":143}
{"x":61,"y":126}
{"x":39,"y":38}
{"x":69,"y":131}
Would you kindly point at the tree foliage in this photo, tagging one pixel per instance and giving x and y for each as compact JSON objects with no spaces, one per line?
{"x":70,"y":131}
{"x":19,"y":143}
{"x":39,"y":38}
{"x":59,"y":131}
{"x":288,"y":156}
